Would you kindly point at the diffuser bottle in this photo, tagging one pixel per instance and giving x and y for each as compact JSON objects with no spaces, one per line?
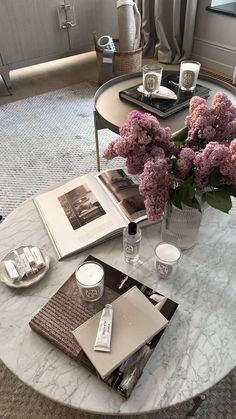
{"x":131,"y":242}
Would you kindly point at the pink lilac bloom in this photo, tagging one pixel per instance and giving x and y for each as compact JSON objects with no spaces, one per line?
{"x":232,"y":148}
{"x":215,"y":156}
{"x":148,"y":148}
{"x":217,"y":123}
{"x":109,"y":153}
{"x":155,"y":184}
{"x":185,"y":162}
{"x":196,"y":102}
{"x":141,"y":138}
{"x":224,"y":114}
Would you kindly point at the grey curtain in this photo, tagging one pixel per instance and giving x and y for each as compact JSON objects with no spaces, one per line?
{"x":168,"y":28}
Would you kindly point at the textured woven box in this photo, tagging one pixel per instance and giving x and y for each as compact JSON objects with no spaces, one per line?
{"x":125,"y":62}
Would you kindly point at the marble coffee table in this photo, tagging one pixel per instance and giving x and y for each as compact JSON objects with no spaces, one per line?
{"x":196,"y":351}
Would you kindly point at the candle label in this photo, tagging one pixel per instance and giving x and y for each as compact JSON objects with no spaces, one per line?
{"x":187,"y":79}
{"x":163,"y":269}
{"x":151,"y":82}
{"x":91,"y":293}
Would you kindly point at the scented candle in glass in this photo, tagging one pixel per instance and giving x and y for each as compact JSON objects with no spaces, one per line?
{"x":167,"y":256}
{"x":152,"y":75}
{"x":90,"y":280}
{"x":189,"y":71}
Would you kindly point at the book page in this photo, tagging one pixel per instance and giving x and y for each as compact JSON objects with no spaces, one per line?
{"x":77,"y":214}
{"x":123,"y":189}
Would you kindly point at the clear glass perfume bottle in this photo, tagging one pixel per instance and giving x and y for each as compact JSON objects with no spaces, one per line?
{"x":131,"y":242}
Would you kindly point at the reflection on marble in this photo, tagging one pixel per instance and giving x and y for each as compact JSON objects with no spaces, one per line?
{"x":197,"y":349}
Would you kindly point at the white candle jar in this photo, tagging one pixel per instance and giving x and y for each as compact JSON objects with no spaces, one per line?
{"x":167,"y":256}
{"x":90,"y":280}
{"x":189,"y":71}
{"x":152,"y":75}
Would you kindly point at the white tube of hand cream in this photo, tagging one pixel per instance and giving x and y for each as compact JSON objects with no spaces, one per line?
{"x":103,"y":339}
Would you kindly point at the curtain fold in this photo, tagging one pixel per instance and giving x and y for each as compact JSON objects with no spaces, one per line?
{"x":168,"y":28}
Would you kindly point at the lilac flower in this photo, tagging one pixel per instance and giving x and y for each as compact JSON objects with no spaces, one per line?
{"x":141,"y":138}
{"x":150,"y":152}
{"x":109,"y":153}
{"x":215,"y":156}
{"x":216,"y":123}
{"x":232,"y":148}
{"x":155,"y":184}
{"x":196,"y":102}
{"x":185,"y":162}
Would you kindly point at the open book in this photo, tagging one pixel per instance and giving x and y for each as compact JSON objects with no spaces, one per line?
{"x":89,"y":209}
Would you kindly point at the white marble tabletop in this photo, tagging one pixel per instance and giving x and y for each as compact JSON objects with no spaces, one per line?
{"x":196,"y":351}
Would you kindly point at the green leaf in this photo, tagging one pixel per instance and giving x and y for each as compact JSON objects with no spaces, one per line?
{"x":230,"y":189}
{"x":189,"y":180}
{"x":219,"y":199}
{"x":173,"y":163}
{"x":180,"y":136}
{"x":188,"y":197}
{"x":179,"y":144}
{"x":195,"y":204}
{"x":214,"y":178}
{"x":204,"y":197}
{"x":176,"y":198}
{"x":188,"y":192}
{"x":185,"y":194}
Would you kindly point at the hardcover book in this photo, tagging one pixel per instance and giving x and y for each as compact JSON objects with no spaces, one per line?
{"x":65,"y":312}
{"x":89,"y":209}
{"x":135,"y":322}
{"x":164,"y":107}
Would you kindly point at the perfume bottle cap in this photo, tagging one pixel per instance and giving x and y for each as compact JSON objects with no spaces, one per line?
{"x":132,"y":228}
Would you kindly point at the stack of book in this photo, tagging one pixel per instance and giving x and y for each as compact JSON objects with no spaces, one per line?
{"x":135,"y":306}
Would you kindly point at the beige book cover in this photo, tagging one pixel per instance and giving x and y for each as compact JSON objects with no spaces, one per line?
{"x":135,"y":322}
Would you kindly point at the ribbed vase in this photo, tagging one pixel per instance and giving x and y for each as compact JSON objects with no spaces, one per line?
{"x":180,"y":227}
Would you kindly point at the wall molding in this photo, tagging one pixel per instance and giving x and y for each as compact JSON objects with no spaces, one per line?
{"x":215,"y":44}
{"x":215,"y":55}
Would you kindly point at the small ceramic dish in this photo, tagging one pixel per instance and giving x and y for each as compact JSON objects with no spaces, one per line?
{"x":163,"y":93}
{"x":25,"y":281}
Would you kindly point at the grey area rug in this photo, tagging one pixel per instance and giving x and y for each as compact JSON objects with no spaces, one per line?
{"x":46,"y":139}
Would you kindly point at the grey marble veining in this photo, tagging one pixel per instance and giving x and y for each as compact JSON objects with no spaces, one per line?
{"x":197,"y":349}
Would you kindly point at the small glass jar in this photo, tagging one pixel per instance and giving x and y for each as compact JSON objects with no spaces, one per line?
{"x":90,"y":280}
{"x":131,"y":242}
{"x":167,"y":256}
{"x":152,"y":74}
{"x":189,"y":71}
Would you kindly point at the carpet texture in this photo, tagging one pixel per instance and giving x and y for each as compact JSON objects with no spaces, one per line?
{"x":46,"y":139}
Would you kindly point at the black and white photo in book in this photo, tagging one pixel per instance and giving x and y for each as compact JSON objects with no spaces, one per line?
{"x":125,"y":189}
{"x":90,"y":209}
{"x":81,"y":206}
